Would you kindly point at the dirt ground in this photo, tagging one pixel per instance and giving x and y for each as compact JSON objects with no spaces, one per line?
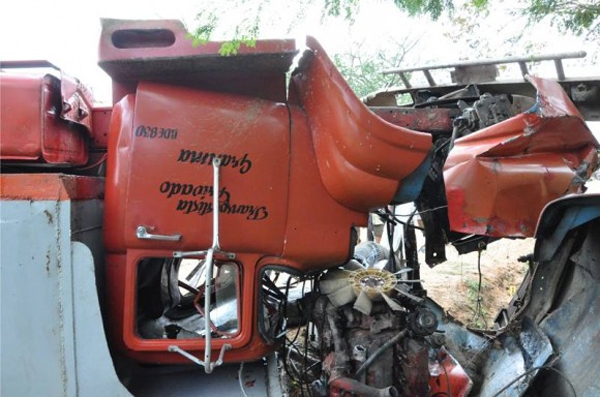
{"x":454,"y":283}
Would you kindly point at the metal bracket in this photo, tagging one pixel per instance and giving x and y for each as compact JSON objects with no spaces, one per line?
{"x":210,"y":254}
{"x":194,"y":359}
{"x":185,"y":254}
{"x":142,"y":233}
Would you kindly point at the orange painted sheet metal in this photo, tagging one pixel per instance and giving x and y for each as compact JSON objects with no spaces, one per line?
{"x":277,"y":204}
{"x":168,"y":39}
{"x":362,"y":158}
{"x":46,"y":118}
{"x":163,"y":52}
{"x":448,"y":378}
{"x":310,"y":204}
{"x":99,"y":131}
{"x":176,"y":134}
{"x":166,"y":136}
{"x":499,"y":179}
{"x":52,"y":187}
{"x":246,"y":344}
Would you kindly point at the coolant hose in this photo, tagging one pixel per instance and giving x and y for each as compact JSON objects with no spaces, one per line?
{"x":379,"y":351}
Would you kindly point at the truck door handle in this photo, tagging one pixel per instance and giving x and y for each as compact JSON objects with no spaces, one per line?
{"x":142,"y":233}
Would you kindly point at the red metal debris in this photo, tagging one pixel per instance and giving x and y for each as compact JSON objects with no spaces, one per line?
{"x":499,"y":179}
{"x":448,"y":377}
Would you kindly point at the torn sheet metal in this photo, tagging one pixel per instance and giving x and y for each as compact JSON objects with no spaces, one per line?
{"x":560,"y":217}
{"x":520,"y":353}
{"x":493,"y":361}
{"x":499,"y":179}
{"x":448,"y":377}
{"x":565,"y":299}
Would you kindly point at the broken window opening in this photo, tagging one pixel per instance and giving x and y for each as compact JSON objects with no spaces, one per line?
{"x":170,"y":299}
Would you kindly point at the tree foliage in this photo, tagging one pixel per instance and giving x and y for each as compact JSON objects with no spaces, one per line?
{"x":251,"y":15}
{"x":362,"y":68}
{"x":580,"y":17}
{"x":434,"y":8}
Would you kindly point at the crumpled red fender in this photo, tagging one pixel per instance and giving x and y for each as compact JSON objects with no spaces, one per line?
{"x":499,"y":179}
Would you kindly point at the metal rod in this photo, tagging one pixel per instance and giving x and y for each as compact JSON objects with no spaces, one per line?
{"x":209,"y":268}
{"x":224,"y":348}
{"x":533,"y":58}
{"x":216,"y":165}
{"x":405,"y":80}
{"x":207,"y":302}
{"x":183,"y":254}
{"x":187,"y":287}
{"x":429,"y":77}
{"x":560,"y":71}
{"x":523,"y":67}
{"x":195,"y":360}
{"x":209,"y":262}
{"x":177,"y":349}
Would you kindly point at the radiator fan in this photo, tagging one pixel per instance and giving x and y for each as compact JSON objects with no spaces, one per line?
{"x":362,"y":286}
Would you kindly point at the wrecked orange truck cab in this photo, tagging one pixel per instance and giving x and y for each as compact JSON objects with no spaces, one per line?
{"x":323,"y":151}
{"x":208,"y":219}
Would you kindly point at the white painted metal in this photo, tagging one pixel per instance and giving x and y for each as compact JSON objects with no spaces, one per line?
{"x":53,"y":341}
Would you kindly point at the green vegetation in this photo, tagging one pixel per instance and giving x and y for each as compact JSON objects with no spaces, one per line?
{"x":580,"y":17}
{"x":362,"y":68}
{"x":575,"y":16}
{"x":475,"y":303}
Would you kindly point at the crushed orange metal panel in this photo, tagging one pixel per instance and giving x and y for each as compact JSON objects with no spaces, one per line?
{"x":499,"y":179}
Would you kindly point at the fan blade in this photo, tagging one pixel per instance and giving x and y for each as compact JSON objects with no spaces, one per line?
{"x":408,"y":295}
{"x":393,"y":305}
{"x":379,"y":265}
{"x":363,"y":303}
{"x":330,"y":286}
{"x":333,"y":280}
{"x":342,"y":296}
{"x":353,"y":265}
{"x":335,"y":274}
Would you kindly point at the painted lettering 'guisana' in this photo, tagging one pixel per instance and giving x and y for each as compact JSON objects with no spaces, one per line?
{"x":243,"y":163}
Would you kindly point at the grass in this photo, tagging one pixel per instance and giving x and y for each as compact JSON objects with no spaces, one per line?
{"x":476,"y":304}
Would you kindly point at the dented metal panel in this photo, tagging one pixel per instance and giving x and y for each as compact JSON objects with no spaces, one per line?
{"x":499,"y":179}
{"x":46,"y":118}
{"x":564,"y":296}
